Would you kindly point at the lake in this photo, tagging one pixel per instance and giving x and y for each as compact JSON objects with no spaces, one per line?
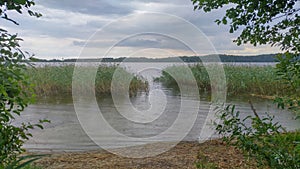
{"x":65,"y":132}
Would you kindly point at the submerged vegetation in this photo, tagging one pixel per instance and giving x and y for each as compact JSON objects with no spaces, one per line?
{"x":57,"y":80}
{"x":240,"y":80}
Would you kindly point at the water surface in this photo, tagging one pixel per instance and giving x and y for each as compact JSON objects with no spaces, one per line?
{"x":65,"y":133}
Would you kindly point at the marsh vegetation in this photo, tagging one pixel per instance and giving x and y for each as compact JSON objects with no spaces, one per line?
{"x":240,"y":80}
{"x":57,"y":80}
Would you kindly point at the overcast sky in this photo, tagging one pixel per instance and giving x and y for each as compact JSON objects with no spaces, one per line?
{"x":67,"y":26}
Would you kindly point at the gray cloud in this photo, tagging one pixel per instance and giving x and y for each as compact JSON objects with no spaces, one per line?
{"x":139,"y":41}
{"x":88,"y":6}
{"x":73,"y":22}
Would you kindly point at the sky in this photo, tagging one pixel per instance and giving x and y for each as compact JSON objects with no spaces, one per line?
{"x":117,"y":28}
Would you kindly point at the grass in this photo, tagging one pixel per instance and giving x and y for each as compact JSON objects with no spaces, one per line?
{"x":241,"y":80}
{"x":224,"y":155}
{"x":57,"y":80}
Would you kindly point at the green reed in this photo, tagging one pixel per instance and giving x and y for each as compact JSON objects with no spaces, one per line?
{"x":57,"y":80}
{"x":240,"y":80}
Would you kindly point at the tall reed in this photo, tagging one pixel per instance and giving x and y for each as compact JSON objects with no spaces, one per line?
{"x":240,"y":80}
{"x":57,"y":80}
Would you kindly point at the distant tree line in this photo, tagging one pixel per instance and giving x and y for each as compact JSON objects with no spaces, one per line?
{"x":209,"y":58}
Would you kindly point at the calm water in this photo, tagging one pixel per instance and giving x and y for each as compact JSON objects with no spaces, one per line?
{"x":65,"y":133}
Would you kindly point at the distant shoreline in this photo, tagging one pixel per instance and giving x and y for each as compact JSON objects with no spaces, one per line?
{"x":189,"y":59}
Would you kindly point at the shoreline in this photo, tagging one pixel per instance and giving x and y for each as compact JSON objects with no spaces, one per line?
{"x":184,"y":155}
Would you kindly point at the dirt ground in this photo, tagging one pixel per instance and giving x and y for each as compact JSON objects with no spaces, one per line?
{"x":184,"y":155}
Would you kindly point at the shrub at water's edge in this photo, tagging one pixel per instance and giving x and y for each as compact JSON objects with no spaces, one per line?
{"x":265,"y":140}
{"x":241,"y":80}
{"x":57,"y":80}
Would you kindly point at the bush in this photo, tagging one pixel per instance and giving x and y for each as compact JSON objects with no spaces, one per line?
{"x":263,"y":139}
{"x":13,"y":99}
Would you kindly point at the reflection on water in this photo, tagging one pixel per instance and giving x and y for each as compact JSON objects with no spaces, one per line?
{"x":64,"y":133}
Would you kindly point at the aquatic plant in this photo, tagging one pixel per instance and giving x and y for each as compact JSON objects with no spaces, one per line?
{"x":240,"y":80}
{"x":57,"y":80}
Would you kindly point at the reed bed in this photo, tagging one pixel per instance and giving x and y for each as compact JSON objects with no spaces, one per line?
{"x":240,"y":80}
{"x":57,"y":80}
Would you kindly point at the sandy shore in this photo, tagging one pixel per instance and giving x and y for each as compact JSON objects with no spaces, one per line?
{"x":183,"y":155}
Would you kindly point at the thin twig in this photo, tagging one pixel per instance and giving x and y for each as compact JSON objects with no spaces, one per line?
{"x":254,"y":111}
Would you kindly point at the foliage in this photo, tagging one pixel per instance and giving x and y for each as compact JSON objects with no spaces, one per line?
{"x":18,"y":6}
{"x":273,"y":22}
{"x":23,"y":162}
{"x":288,"y":70}
{"x":260,"y":138}
{"x":13,"y":99}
